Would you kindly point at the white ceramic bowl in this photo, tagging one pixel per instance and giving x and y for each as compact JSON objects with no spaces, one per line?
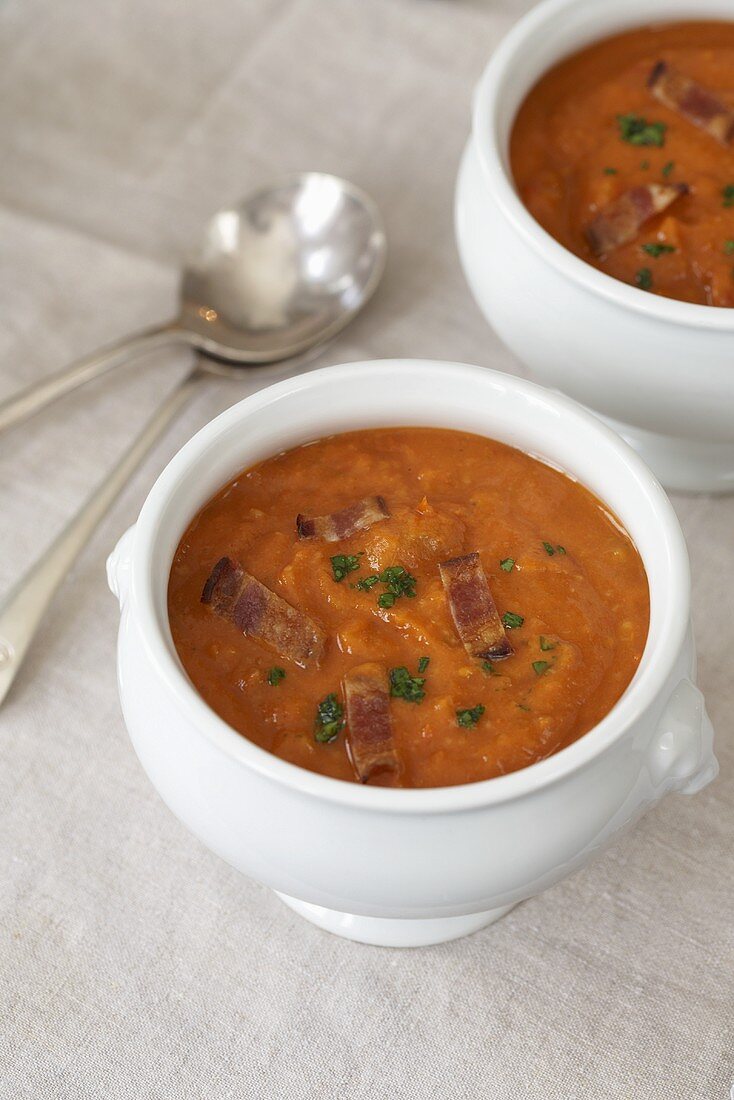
{"x":660,"y":371}
{"x":408,"y":867}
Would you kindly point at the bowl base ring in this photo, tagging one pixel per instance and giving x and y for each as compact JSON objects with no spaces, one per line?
{"x":390,"y":931}
{"x":681,"y":465}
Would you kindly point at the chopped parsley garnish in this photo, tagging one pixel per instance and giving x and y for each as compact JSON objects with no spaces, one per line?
{"x":343,"y":564}
{"x":728,"y":248}
{"x":643,"y":278}
{"x":275,"y":676}
{"x":728,"y":194}
{"x":560,"y":549}
{"x":610,"y":171}
{"x":545,"y":645}
{"x":656,"y":249}
{"x":511,"y":620}
{"x":667,"y":169}
{"x":638,"y":131}
{"x":507,"y":564}
{"x":489,"y":667}
{"x":645,"y":165}
{"x":539,"y":667}
{"x":367,"y":582}
{"x":523,"y":707}
{"x":550,"y":550}
{"x":329,"y":719}
{"x":398,"y":582}
{"x":423,"y":664}
{"x":405,"y":686}
{"x":470,"y":716}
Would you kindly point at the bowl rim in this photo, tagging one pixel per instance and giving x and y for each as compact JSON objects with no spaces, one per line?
{"x":504,"y":63}
{"x":648,"y":683}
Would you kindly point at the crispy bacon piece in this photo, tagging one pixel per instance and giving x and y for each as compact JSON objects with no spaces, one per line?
{"x":371,"y":743}
{"x":473,"y":609}
{"x":342,"y":525}
{"x":689,"y":98}
{"x":260,"y":613}
{"x":621,"y":220}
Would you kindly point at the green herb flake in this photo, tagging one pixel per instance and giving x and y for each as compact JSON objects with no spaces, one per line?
{"x":561,"y":550}
{"x":489,"y":667}
{"x":399,"y":581}
{"x":550,"y":550}
{"x":329,"y":719}
{"x":470,"y":716}
{"x":546,"y":645}
{"x":638,"y":131}
{"x":727,"y":194}
{"x":275,"y":676}
{"x":522,"y":706}
{"x":507,"y":564}
{"x":367,"y":582}
{"x":610,"y":171}
{"x":423,"y":664}
{"x":643,"y":278}
{"x":512,"y":620}
{"x":656,"y":249}
{"x":405,"y":686}
{"x":539,"y":667}
{"x":344,"y":564}
{"x":729,"y":248}
{"x":667,"y":169}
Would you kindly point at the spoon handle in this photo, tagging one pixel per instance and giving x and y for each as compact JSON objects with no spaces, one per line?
{"x":14,"y":410}
{"x":22,"y":611}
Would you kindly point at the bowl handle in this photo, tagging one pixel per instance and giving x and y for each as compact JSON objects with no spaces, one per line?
{"x":682,"y":753}
{"x":118,"y":566}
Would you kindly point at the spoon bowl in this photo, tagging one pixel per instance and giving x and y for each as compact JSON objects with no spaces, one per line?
{"x":283,"y":270}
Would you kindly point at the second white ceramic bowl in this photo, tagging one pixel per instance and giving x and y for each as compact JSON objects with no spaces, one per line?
{"x":408,"y":867}
{"x":661,"y":371}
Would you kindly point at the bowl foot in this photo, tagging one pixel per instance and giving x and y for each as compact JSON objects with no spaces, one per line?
{"x":682,"y":465}
{"x":391,"y":932}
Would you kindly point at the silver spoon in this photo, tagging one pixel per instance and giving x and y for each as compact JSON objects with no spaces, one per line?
{"x":333,"y":261}
{"x":280,"y":272}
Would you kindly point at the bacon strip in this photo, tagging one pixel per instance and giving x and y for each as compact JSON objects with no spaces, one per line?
{"x":371,"y":743}
{"x":474,"y":612}
{"x":620,"y":221}
{"x":689,"y":98}
{"x":260,"y":613}
{"x":342,"y":525}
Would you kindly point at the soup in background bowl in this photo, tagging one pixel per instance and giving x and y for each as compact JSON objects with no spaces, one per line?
{"x":624,"y":152}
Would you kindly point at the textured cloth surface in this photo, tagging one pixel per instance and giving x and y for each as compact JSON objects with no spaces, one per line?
{"x":133,"y":963}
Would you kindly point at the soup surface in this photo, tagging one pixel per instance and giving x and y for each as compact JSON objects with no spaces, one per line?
{"x":569,"y":587}
{"x":650,"y":107}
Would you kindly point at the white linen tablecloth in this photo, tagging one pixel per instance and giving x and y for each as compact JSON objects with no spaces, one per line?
{"x":133,"y":963}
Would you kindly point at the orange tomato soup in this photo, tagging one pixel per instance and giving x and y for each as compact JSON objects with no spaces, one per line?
{"x":651,"y":106}
{"x":568,"y":584}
